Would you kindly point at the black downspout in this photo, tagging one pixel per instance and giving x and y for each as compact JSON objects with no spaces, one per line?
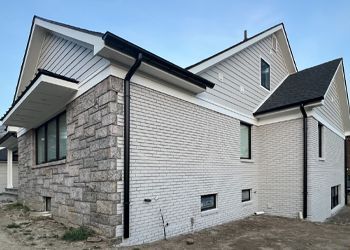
{"x":127,"y":78}
{"x":346,"y":171}
{"x":302,"y":109}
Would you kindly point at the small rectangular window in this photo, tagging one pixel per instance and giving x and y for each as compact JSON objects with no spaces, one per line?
{"x":246,"y":195}
{"x":265,"y":74}
{"x":208,"y":202}
{"x":245,"y":141}
{"x":320,"y":142}
{"x":47,"y":203}
{"x":335,"y":196}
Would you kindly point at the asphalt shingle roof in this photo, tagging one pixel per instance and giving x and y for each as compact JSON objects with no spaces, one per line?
{"x":308,"y":85}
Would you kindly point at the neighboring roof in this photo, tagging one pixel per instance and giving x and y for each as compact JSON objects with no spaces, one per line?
{"x":304,"y":87}
{"x":40,"y":72}
{"x":133,"y":50}
{"x":243,"y":42}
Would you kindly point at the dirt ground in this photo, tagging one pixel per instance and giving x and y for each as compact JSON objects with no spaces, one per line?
{"x":256,"y":232}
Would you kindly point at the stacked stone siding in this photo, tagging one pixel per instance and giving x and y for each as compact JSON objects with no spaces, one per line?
{"x":84,"y":186}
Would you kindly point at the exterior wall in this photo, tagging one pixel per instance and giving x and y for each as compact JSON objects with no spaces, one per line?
{"x":243,"y":70}
{"x":83,"y":187}
{"x":180,"y":151}
{"x":324,"y":173}
{"x":68,"y":58}
{"x":280,"y":147}
{"x":3,"y":175}
{"x":331,"y":110}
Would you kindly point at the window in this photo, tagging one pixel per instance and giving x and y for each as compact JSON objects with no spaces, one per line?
{"x":265,"y":74}
{"x":208,"y":202}
{"x":246,"y":195}
{"x":334,"y":196}
{"x":245,"y":143}
{"x":320,"y":143}
{"x":51,"y":140}
{"x":274,"y":43}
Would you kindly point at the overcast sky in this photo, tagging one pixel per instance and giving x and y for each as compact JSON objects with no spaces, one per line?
{"x":182,"y":32}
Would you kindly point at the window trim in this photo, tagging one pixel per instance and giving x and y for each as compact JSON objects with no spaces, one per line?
{"x":45,"y":125}
{"x":250,"y":195}
{"x":249,"y":141}
{"x":335,"y":204}
{"x":260,"y":71}
{"x":320,"y":140}
{"x":210,"y":208}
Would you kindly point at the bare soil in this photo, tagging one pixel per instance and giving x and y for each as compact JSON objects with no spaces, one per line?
{"x":256,"y":232}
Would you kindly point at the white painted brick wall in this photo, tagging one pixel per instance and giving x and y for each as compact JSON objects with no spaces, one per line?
{"x":280,"y":168}
{"x":324,"y":174}
{"x":180,"y":151}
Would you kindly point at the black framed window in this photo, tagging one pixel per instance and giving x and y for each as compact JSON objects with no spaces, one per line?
{"x":335,"y":196}
{"x":246,"y":195}
{"x":208,"y":202}
{"x":245,"y":141}
{"x":265,"y":74}
{"x":51,"y":140}
{"x":320,"y":140}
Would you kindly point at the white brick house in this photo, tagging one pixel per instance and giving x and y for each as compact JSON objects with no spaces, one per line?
{"x":239,"y":132}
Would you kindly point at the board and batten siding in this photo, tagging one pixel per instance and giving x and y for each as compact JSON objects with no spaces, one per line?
{"x":242,"y":71}
{"x":331,"y":110}
{"x":68,"y":58}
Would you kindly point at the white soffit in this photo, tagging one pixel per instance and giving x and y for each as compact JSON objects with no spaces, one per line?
{"x":45,"y":98}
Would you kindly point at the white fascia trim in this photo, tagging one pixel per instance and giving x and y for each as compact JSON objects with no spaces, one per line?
{"x":328,"y":125}
{"x":42,"y":78}
{"x":94,"y":40}
{"x":226,"y":54}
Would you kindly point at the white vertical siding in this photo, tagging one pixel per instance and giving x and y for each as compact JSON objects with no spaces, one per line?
{"x":243,"y":70}
{"x":331,"y":111}
{"x":68,"y":58}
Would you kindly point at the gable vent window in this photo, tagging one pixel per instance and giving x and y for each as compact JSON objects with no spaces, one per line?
{"x":274,"y":43}
{"x":51,"y":140}
{"x":265,"y":74}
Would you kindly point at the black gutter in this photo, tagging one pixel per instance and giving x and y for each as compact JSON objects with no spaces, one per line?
{"x":302,"y":109}
{"x":130,"y":49}
{"x":127,"y":78}
{"x":292,"y":105}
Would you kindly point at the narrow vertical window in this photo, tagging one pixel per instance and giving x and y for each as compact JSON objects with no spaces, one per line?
{"x":245,"y":141}
{"x":265,"y":74}
{"x":51,"y":140}
{"x":335,"y":196}
{"x":40,"y":142}
{"x":320,"y":142}
{"x":62,"y":124}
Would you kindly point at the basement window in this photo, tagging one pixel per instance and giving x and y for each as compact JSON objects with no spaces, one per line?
{"x":265,"y":74}
{"x":208,"y":202}
{"x":335,"y":196}
{"x":246,"y":195}
{"x":47,"y":203}
{"x":51,"y":139}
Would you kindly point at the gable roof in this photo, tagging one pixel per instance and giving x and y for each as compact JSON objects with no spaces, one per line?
{"x":304,"y":87}
{"x":97,"y":40}
{"x":222,"y":55}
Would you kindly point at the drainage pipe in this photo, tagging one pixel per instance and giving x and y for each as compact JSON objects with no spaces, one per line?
{"x":302,"y":109}
{"x":127,"y":78}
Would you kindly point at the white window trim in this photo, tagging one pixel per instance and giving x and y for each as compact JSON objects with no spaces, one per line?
{"x":268,"y":62}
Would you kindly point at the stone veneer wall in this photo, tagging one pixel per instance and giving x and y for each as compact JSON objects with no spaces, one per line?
{"x":84,"y":186}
